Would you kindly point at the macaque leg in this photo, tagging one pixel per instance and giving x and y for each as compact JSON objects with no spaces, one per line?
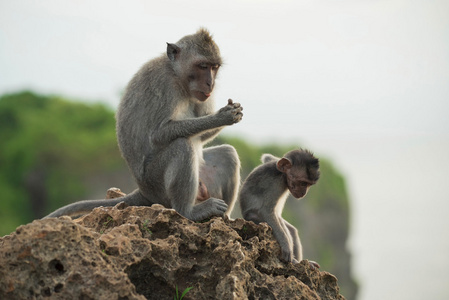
{"x":297,"y":248}
{"x":181,"y":179}
{"x":221,"y":174}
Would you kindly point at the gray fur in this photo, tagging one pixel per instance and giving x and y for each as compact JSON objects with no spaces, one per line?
{"x":266,"y":157}
{"x":84,"y":207}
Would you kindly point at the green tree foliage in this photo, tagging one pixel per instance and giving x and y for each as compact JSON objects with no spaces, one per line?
{"x":47,"y":145}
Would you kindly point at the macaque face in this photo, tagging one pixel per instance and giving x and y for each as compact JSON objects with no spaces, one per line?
{"x":202,"y":79}
{"x":196,"y":71}
{"x":298,"y":182}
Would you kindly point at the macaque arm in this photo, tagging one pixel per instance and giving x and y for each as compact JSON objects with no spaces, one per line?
{"x":281,"y":236}
{"x":210,"y":134}
{"x":297,"y":248}
{"x":187,"y":128}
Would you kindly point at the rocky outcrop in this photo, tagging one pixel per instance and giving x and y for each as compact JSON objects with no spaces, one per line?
{"x":149,"y":253}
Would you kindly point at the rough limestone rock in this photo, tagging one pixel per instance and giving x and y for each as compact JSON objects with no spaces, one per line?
{"x":148,"y":253}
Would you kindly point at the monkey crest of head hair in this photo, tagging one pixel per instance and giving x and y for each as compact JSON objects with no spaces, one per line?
{"x":303,"y":157}
{"x":202,"y":43}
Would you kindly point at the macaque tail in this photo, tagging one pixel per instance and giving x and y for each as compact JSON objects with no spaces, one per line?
{"x":86,"y":206}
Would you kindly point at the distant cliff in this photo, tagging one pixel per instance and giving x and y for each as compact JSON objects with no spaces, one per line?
{"x":150,"y":253}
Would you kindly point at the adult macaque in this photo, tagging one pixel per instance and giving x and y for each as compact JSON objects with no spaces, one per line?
{"x":265,"y":191}
{"x":165,"y":117}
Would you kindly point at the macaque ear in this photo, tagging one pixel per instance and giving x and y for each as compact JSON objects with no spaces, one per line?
{"x":173,"y":51}
{"x":283,"y":164}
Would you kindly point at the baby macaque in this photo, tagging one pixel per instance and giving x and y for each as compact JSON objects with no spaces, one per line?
{"x":265,"y":191}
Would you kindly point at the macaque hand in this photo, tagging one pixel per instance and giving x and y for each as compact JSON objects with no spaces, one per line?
{"x":287,"y":255}
{"x":231,"y":113}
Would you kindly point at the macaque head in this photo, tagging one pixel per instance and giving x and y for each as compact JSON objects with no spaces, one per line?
{"x":196,"y":60}
{"x":301,"y":171}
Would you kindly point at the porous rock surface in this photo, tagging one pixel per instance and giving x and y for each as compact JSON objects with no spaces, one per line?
{"x":148,"y":252}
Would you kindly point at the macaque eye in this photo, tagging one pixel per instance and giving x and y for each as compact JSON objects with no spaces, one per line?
{"x":203,"y":66}
{"x":215,"y":67}
{"x":303,"y":184}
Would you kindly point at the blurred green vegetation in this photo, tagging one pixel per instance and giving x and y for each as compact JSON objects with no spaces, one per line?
{"x":47,"y":146}
{"x":50,"y":146}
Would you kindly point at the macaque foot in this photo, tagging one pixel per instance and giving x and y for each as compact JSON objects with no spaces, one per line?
{"x":313,"y":264}
{"x":209,"y":208}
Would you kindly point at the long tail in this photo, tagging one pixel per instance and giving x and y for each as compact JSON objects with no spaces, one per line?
{"x":83,"y":207}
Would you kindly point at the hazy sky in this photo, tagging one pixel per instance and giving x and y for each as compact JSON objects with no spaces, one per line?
{"x":365,"y":83}
{"x":327,"y":67}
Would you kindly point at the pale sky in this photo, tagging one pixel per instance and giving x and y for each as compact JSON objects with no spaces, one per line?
{"x":365,"y":83}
